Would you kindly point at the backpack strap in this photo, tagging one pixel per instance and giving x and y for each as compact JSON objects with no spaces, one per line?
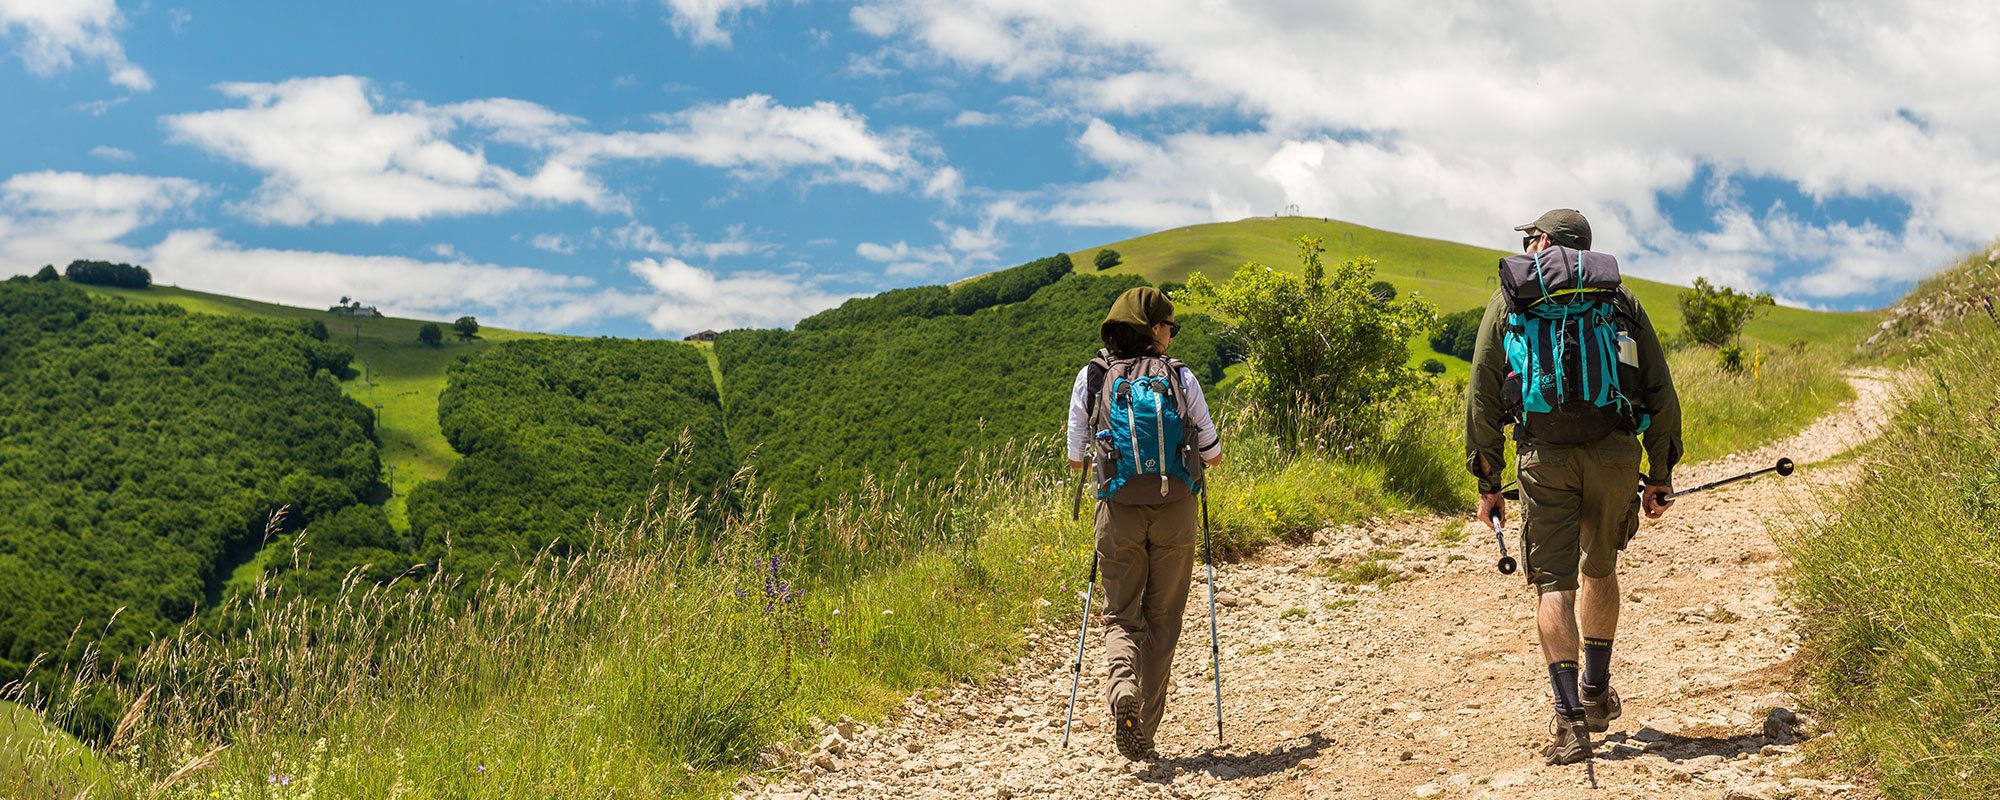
{"x":1093,"y":381}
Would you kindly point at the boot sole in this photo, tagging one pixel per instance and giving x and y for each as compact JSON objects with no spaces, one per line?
{"x":1131,"y":744}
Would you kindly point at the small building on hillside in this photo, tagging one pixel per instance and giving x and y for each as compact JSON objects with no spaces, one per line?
{"x":704,"y":336}
{"x":353,"y":309}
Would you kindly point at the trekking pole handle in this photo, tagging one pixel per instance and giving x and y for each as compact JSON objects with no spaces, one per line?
{"x":1506,"y":565}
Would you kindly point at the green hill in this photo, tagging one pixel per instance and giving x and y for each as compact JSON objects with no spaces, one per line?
{"x":401,"y":374}
{"x":1454,"y":276}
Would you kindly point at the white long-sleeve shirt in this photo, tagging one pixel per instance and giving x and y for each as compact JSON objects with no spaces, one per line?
{"x":1208,"y":441}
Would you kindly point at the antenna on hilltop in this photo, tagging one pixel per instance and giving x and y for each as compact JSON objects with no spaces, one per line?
{"x":1292,"y":210}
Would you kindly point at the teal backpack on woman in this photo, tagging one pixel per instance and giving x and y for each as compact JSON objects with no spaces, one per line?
{"x":1140,"y":437}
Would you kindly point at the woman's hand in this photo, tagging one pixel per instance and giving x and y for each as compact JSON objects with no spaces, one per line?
{"x":1075,"y":464}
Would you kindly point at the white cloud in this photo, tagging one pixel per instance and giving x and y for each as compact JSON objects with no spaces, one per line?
{"x":945,"y":184}
{"x":704,"y":21}
{"x":331,"y":150}
{"x":1461,"y":120}
{"x":933,"y":262}
{"x":50,"y":36}
{"x":57,"y":217}
{"x":554,"y":243}
{"x":110,"y":153}
{"x":645,"y":238}
{"x":328,"y":154}
{"x":401,"y":286}
{"x":686,"y":298}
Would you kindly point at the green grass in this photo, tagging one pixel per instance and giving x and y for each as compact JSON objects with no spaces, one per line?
{"x":401,"y":374}
{"x":1898,"y":586}
{"x":1450,"y":275}
{"x":47,"y":761}
{"x":1727,"y":412}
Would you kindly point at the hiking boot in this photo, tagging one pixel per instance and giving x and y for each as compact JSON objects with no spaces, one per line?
{"x":1571,"y":741}
{"x":1131,"y":740}
{"x":1600,"y":710}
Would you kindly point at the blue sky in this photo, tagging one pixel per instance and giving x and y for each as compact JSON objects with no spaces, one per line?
{"x":654,"y":167}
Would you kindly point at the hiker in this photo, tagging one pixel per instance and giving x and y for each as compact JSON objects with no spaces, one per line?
{"x":1568,"y":356}
{"x":1141,"y":418}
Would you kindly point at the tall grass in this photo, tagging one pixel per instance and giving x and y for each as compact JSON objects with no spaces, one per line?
{"x":1901,"y":584}
{"x":1724,"y":412}
{"x":656,"y":663}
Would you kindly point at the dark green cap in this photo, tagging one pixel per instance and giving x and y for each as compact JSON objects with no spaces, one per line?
{"x":1565,"y":226}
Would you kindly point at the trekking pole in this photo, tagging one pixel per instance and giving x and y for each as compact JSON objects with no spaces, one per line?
{"x":1507,"y":564}
{"x":1089,"y":589}
{"x":1783,"y":468}
{"x":1214,"y":639}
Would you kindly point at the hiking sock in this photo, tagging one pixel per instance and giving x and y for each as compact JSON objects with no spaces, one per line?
{"x":1596,"y":675}
{"x":1562,"y":679}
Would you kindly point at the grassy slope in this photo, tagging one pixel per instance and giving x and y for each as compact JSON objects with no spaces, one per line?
{"x":1454,"y":276}
{"x":402,"y":374}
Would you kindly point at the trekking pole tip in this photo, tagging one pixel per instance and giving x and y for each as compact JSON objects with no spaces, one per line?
{"x":1784,"y":466}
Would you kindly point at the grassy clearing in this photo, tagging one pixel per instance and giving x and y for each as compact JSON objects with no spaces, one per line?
{"x":1450,"y":275}
{"x":400,"y":373}
{"x":1899,"y":589}
{"x":1727,"y":412}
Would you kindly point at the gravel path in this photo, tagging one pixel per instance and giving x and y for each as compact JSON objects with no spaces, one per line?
{"x":1428,"y":684}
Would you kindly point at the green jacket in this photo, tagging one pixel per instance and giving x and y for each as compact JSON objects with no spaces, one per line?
{"x":1485,"y":445}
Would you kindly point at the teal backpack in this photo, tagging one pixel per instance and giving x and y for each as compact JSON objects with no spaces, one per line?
{"x":1567,"y":346}
{"x":1143,"y":453}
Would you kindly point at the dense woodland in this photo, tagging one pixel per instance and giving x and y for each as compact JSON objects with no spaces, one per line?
{"x":142,"y":452}
{"x":107,"y":273}
{"x":923,"y":302}
{"x":816,"y":410}
{"x":556,"y":432}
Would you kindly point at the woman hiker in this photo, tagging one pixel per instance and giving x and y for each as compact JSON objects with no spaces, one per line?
{"x":1141,"y":419}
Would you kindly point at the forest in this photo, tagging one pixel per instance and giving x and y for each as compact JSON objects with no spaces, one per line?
{"x":143,"y":451}
{"x":557,"y":432}
{"x":1010,"y":285}
{"x":816,"y":410}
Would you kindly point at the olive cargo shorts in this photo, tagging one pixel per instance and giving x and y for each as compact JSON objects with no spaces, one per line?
{"x":1580,"y":503}
{"x":1146,"y":557}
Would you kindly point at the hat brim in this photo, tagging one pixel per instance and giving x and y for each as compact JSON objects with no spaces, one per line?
{"x":1528,"y":227}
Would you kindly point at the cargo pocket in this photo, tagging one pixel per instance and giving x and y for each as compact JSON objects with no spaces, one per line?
{"x":1631,"y":523}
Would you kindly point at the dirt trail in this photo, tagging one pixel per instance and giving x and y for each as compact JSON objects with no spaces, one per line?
{"x":1429,"y":686}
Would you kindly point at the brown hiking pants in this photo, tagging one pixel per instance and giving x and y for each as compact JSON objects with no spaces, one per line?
{"x":1145,"y":555}
{"x":1581,"y":506}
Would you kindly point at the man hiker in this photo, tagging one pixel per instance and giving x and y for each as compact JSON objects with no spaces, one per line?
{"x":1142,"y":420}
{"x":1568,"y":356}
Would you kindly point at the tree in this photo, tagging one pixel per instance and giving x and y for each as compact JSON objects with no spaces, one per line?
{"x":1382,"y":290}
{"x":1433,"y":366}
{"x":430,"y":334}
{"x":1106,"y":259}
{"x":1715,"y":315}
{"x":106,"y":273}
{"x":48,"y":273}
{"x":1317,"y":341}
{"x":314,"y":328}
{"x":1458,"y":333}
{"x":467,"y":328}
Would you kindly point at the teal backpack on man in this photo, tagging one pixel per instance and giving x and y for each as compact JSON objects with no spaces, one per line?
{"x":1568,"y":348}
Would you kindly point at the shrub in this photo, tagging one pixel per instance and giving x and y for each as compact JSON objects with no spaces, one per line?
{"x":1715,"y":315}
{"x":1458,"y":333}
{"x":430,"y":334}
{"x":1317,"y":341}
{"x":1433,"y":366}
{"x":47,"y":273}
{"x":1382,"y":290}
{"x":106,"y":273}
{"x":1106,"y":259}
{"x":467,"y":328}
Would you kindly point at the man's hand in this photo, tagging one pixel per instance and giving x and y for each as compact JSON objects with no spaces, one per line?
{"x":1492,"y":506}
{"x":1656,"y":501}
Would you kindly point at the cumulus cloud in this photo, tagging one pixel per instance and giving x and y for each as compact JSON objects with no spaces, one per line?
{"x":554,"y":243}
{"x":706,"y":21}
{"x":685,"y":244}
{"x":56,"y":217}
{"x":109,"y":153}
{"x":50,"y":37}
{"x":329,"y":154}
{"x":1451,"y":119}
{"x":686,"y":298}
{"x":331,"y":149}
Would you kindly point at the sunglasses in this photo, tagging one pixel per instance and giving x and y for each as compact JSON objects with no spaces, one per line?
{"x":1173,"y":328}
{"x":1529,"y":241}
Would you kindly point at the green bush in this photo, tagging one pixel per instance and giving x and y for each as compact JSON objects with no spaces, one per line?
{"x":1105,"y":259}
{"x":1715,"y":315}
{"x":1458,"y":332}
{"x":430,"y":334}
{"x":1382,"y":290}
{"x":106,"y":273}
{"x":1318,"y":342}
{"x":1433,"y":366}
{"x":47,"y":273}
